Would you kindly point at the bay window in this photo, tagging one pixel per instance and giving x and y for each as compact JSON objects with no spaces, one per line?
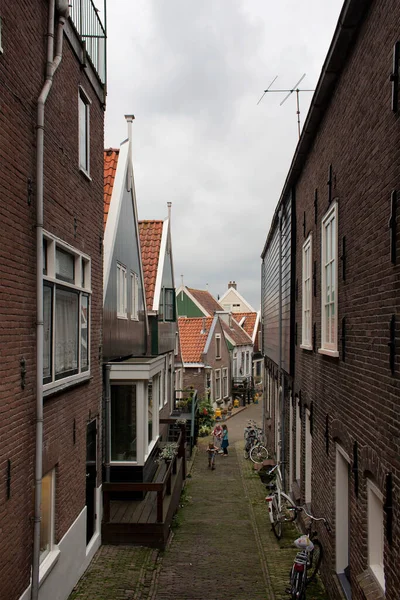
{"x":66,"y":312}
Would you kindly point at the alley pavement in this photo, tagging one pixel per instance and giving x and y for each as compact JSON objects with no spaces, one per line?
{"x":221,"y":548}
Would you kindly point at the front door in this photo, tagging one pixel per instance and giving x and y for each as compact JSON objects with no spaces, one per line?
{"x":91,"y":474}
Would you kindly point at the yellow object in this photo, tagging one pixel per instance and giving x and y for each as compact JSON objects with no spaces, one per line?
{"x":217,"y":413}
{"x":236,"y":403}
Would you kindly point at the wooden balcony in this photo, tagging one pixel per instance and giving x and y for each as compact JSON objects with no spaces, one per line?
{"x":144,"y":522}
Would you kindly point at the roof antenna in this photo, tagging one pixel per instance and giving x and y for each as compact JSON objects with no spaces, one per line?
{"x":289,"y":92}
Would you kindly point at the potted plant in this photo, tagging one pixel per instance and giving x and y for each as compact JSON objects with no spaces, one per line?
{"x":167,"y":452}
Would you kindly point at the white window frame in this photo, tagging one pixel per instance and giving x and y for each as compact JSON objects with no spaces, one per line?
{"x":84,"y":131}
{"x":81,"y":286}
{"x":306,"y":308}
{"x":376,"y":543}
{"x":122,"y":292}
{"x":217,"y":345}
{"x":225,"y":382}
{"x":134,"y":297}
{"x":218,"y":378}
{"x":342,"y":509}
{"x":329,"y":271}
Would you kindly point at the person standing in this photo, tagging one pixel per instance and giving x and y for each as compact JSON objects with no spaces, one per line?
{"x":217,"y":434}
{"x":225,"y":441}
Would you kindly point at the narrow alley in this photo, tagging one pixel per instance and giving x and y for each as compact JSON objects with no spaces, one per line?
{"x":222,"y":545}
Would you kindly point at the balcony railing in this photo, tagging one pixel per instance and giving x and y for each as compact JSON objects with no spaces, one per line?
{"x":92,"y":31}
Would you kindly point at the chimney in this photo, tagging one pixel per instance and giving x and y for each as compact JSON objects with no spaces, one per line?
{"x":232,"y":284}
{"x":129,"y":119}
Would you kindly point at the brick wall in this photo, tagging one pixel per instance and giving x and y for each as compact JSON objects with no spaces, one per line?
{"x":357,"y":397}
{"x":69,"y":199}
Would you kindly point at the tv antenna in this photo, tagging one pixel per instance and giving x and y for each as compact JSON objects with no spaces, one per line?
{"x":289,"y":92}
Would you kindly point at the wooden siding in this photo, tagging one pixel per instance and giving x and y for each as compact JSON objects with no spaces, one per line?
{"x":274,"y":281}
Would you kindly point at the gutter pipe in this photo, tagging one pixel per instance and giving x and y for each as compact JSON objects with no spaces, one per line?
{"x":52,"y":64}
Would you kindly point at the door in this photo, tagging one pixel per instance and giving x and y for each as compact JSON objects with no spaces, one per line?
{"x":91,"y":475}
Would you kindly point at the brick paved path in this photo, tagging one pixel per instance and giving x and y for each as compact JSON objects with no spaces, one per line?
{"x":222,"y":547}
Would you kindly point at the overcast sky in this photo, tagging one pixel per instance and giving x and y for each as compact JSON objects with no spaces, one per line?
{"x":192,"y":73}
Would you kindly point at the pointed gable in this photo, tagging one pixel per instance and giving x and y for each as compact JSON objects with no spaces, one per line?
{"x":150,"y":243}
{"x":110,"y":167}
{"x":193,"y":335}
{"x":205,"y":299}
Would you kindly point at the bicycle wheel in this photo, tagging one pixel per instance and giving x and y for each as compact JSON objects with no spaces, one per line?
{"x":297,"y":585}
{"x":314,"y":561}
{"x":258,"y":453}
{"x":275,"y":519}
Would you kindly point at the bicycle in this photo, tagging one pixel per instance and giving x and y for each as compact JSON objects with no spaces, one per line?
{"x":308,"y":560}
{"x":280,"y":505}
{"x":254,"y":447}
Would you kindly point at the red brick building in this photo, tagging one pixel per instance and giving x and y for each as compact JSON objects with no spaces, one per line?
{"x":336,"y":391}
{"x":50,"y":295}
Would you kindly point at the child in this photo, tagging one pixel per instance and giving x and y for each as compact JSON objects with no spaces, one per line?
{"x":225,"y":441}
{"x":211,"y":451}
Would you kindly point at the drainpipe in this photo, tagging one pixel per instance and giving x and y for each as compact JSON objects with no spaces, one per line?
{"x":107,"y":399}
{"x":52,"y":63}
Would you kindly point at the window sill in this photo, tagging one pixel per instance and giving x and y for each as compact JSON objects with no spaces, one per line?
{"x":371,"y":589}
{"x":62,"y":384}
{"x":48,"y":563}
{"x":306,"y":347}
{"x":85,"y":173}
{"x":123,"y":317}
{"x":218,"y":358}
{"x":333,"y":353}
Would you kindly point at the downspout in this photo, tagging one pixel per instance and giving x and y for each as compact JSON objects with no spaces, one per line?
{"x":51,"y":67}
{"x":107,"y":399}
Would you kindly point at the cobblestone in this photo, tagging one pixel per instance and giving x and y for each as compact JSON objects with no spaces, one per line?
{"x":222,"y":545}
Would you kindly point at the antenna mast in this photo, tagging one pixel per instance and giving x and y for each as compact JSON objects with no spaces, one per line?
{"x":289,"y":92}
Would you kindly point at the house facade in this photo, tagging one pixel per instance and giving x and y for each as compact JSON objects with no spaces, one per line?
{"x":205,"y":358}
{"x":337,"y":380}
{"x":51,"y":184}
{"x":234,"y":302}
{"x":139,"y":333}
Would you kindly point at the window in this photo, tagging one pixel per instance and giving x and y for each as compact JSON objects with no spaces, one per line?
{"x":134,"y":296}
{"x":329,"y":283}
{"x":218,"y":384}
{"x":123,"y":422}
{"x":47,"y":512}
{"x":1,"y":48}
{"x":169,"y":304}
{"x":84,"y":133}
{"x":225,"y":382}
{"x":122,"y":294}
{"x":298,"y":441}
{"x":217,"y":346}
{"x":150,"y":429}
{"x":247,"y":363}
{"x":375,"y":532}
{"x":66,"y":312}
{"x":342,"y":514}
{"x":308,"y":458}
{"x":307,"y":295}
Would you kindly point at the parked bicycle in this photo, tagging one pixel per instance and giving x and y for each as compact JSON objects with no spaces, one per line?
{"x":308,"y":560}
{"x":254,"y":447}
{"x":280,"y":505}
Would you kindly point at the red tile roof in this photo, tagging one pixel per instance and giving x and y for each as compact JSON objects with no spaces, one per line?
{"x":110,"y":167}
{"x":249,"y":322}
{"x":236,"y":333}
{"x":207,"y":301}
{"x":150,"y":242}
{"x":192,"y":339}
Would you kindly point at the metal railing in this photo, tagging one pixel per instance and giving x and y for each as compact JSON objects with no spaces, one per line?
{"x":92,"y":31}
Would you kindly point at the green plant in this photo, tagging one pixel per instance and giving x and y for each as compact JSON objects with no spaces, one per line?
{"x":205,"y":430}
{"x":168,"y":452}
{"x":206,"y":413}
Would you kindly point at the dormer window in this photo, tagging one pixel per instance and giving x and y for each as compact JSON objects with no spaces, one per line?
{"x":122,"y":295}
{"x":169,"y":304}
